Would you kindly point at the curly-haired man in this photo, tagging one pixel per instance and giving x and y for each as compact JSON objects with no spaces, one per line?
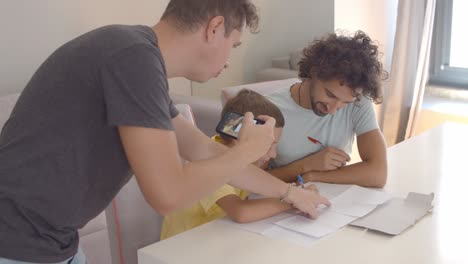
{"x":341,"y":77}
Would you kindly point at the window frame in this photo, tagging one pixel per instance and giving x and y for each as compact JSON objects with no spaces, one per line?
{"x":441,"y":73}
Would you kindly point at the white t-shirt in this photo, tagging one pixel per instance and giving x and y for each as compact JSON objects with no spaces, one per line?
{"x":336,"y":130}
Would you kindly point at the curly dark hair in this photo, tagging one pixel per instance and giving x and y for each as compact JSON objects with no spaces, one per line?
{"x":353,"y":61}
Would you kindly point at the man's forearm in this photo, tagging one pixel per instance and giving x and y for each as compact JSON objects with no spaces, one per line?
{"x":363,"y":173}
{"x":258,"y":181}
{"x":288,"y":173}
{"x":194,"y":144}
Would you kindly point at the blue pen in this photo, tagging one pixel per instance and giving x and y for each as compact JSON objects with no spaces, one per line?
{"x":300,"y":180}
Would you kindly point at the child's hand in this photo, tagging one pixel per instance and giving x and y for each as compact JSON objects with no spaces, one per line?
{"x":313,"y":188}
{"x":256,"y":140}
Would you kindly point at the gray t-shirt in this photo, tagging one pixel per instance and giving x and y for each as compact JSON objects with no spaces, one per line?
{"x":61,"y":157}
{"x":336,"y":130}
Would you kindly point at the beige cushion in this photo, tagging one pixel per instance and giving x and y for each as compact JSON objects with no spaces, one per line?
{"x":206,"y":111}
{"x":272,"y":74}
{"x":294,"y":58}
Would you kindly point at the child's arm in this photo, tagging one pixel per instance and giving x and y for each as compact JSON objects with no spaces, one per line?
{"x":245,"y":211}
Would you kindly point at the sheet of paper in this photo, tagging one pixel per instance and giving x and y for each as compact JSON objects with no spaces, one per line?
{"x":334,"y":219}
{"x":356,"y":210}
{"x":329,"y":190}
{"x":349,"y":202}
{"x":360,"y":195}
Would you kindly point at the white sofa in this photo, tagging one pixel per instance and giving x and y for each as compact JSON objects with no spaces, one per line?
{"x":281,"y":68}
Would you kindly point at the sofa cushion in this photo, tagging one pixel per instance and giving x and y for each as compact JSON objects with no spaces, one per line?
{"x":206,"y":112}
{"x":97,"y":224}
{"x":294,"y":59}
{"x":273,"y":74}
{"x":95,"y":245}
{"x":132,"y":223}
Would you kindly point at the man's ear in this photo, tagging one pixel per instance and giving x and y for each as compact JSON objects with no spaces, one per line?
{"x":215,"y":27}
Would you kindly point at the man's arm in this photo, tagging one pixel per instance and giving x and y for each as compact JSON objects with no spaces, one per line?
{"x":325,"y":160}
{"x":289,"y":172}
{"x":250,"y":178}
{"x":194,"y":145}
{"x":371,"y":172}
{"x":167,"y":185}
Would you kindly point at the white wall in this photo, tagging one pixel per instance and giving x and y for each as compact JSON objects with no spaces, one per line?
{"x":33,"y":29}
{"x":376,"y":18}
{"x":284,"y":27}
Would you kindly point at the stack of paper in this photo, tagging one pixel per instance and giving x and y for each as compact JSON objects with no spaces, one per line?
{"x":349,"y":202}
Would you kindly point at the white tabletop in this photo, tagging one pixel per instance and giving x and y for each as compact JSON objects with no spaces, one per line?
{"x":434,"y":161}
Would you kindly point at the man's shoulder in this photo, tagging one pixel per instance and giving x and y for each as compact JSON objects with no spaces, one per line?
{"x":281,"y":97}
{"x":125,"y":33}
{"x":363,"y":106}
{"x":279,"y":92}
{"x":114,"y":39}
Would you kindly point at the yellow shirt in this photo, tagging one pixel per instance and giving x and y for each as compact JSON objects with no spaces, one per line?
{"x":200,"y":213}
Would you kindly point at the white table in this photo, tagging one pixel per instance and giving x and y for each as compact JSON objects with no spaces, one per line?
{"x":435,"y":161}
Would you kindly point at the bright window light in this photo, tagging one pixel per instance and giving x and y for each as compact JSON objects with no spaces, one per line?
{"x":459,"y":38}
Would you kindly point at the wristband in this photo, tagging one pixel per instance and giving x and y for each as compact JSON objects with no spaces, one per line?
{"x":283,"y":197}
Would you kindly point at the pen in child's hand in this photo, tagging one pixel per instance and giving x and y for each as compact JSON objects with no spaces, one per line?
{"x":315,"y":141}
{"x":300,"y":180}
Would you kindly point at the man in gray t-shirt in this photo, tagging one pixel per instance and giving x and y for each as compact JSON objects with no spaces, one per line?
{"x":332,"y":105}
{"x":98,"y":110}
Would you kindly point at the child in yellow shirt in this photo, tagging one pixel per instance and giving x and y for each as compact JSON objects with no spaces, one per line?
{"x":229,"y":200}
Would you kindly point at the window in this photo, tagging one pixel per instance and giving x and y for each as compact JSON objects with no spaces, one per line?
{"x":449,"y":58}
